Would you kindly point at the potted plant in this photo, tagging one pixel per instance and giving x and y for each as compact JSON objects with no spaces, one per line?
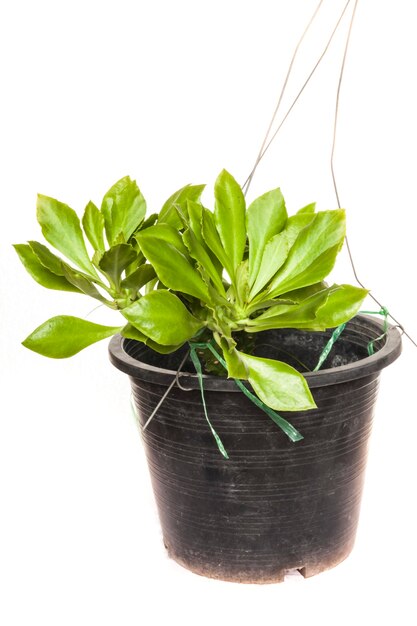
{"x":226,"y":319}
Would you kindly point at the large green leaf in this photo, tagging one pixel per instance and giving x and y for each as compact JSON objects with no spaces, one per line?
{"x":198,"y":252}
{"x":277,"y":384}
{"x":115,"y":260}
{"x":93,"y":224}
{"x":61,"y":227}
{"x":173,"y":268}
{"x":341,"y":305}
{"x":313,"y":254}
{"x":123,"y":209}
{"x":64,"y":336}
{"x":161,"y":316}
{"x":265,"y":217}
{"x":230,"y":217}
{"x":39,"y":272}
{"x":169,"y":214}
{"x":274,"y":255}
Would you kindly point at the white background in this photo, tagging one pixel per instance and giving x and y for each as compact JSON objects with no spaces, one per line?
{"x":170,"y":93}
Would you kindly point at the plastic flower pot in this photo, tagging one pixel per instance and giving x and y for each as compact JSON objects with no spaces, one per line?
{"x":274,"y":505}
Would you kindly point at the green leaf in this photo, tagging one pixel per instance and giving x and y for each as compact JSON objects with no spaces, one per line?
{"x":83,"y":283}
{"x":341,"y":305}
{"x":150,"y":221}
{"x":212,"y":239}
{"x":123,"y":209}
{"x":130,"y":332}
{"x":313,"y":254}
{"x":298,"y":295}
{"x":164,"y":232}
{"x":169,"y":214}
{"x":39,"y":272}
{"x":195,"y":217}
{"x":161,"y":316}
{"x":93,"y":224}
{"x":322,"y":309}
{"x":64,"y":336}
{"x":301,"y":315}
{"x":274,"y":256}
{"x":61,"y":228}
{"x":195,"y":222}
{"x":115,"y":260}
{"x":172,"y":266}
{"x":139,"y":278}
{"x":242,"y":282}
{"x":198,"y":252}
{"x":277,"y":384}
{"x":265,"y":217}
{"x":295,"y":224}
{"x":236,"y":368}
{"x":47,"y":258}
{"x":229,"y":215}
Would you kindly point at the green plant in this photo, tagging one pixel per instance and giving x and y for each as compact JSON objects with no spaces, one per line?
{"x":188,"y":272}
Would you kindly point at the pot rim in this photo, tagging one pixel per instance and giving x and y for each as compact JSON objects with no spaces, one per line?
{"x":369,"y":365}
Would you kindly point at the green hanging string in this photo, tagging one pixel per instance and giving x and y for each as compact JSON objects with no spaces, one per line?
{"x":197,"y":365}
{"x":282,"y":423}
{"x":338,"y":331}
{"x":384,"y":312}
{"x":329,"y":345}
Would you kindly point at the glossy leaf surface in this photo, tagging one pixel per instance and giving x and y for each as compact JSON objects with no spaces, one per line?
{"x":199,"y":252}
{"x":313,"y":254}
{"x":161,"y":316}
{"x":229,"y":216}
{"x":173,"y":268}
{"x":40,"y":273}
{"x":61,"y":228}
{"x":277,"y":384}
{"x":63,"y":336}
{"x":265,"y":217}
{"x":123,"y":209}
{"x":93,"y":224}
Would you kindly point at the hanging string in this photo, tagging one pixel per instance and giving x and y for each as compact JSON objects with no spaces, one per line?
{"x":248,"y":181}
{"x":339,"y":330}
{"x":265,"y":145}
{"x":336,"y":116}
{"x":174,"y":380}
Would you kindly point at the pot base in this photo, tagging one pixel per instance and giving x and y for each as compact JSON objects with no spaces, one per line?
{"x":260,"y":577}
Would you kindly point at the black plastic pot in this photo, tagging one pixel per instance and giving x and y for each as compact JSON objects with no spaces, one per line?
{"x":275,"y":505}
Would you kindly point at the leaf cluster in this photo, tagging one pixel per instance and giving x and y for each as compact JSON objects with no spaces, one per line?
{"x":188,"y":271}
